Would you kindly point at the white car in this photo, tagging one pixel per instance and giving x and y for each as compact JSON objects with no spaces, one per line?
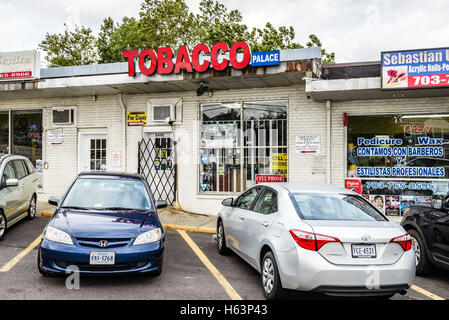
{"x":316,"y":238}
{"x":18,"y":182}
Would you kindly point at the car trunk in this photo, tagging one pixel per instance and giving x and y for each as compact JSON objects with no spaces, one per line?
{"x":361,"y":242}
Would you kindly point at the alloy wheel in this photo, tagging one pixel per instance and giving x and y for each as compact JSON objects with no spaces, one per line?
{"x":220,"y":236}
{"x":33,"y":207}
{"x":268,"y":275}
{"x":2,"y":225}
{"x":417,"y":249}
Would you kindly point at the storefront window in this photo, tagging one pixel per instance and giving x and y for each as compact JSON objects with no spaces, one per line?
{"x":265,"y":139}
{"x":27,"y":134}
{"x":401,"y":160}
{"x":4,"y":132}
{"x":252,"y":133}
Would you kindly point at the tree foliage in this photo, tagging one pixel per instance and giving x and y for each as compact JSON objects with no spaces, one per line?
{"x":167,"y":23}
{"x":71,"y":47}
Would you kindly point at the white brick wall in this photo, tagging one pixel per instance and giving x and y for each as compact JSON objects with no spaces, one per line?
{"x":305,"y":117}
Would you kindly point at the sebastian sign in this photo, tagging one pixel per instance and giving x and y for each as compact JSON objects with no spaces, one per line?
{"x":415,"y":68}
{"x":162,"y":60}
{"x":19,"y":65}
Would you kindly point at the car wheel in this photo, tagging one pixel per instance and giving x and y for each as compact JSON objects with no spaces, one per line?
{"x":39,"y":265}
{"x":3,"y":225}
{"x":271,"y":282}
{"x":423,"y":265}
{"x":221,"y":240}
{"x":32,"y":209}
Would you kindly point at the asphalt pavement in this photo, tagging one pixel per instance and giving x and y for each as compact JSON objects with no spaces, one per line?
{"x":193,"y":270}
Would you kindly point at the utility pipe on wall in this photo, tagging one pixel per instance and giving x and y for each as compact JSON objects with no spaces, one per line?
{"x":328,"y":139}
{"x":123,"y":107}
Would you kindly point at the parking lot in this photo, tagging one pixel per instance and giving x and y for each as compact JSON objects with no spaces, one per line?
{"x":193,"y":270}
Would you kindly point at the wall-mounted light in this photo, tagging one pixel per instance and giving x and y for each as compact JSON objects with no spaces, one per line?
{"x":202,"y":89}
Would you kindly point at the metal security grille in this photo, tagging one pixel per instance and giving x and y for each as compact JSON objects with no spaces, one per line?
{"x":157,"y":165}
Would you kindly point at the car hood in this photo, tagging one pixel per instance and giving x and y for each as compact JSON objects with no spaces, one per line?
{"x":107,"y":224}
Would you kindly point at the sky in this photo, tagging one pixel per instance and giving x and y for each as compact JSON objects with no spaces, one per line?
{"x":356,"y":30}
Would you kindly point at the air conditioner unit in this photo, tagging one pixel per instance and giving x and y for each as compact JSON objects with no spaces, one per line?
{"x":162,"y":113}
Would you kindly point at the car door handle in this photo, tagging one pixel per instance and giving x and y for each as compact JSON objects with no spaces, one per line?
{"x":265,"y":224}
{"x":242,"y":217}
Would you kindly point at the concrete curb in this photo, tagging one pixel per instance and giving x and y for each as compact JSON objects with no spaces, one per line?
{"x":186,"y":228}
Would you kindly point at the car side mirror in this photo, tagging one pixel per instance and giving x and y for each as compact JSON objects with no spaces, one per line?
{"x":161,"y":204}
{"x":54,"y":201}
{"x":437,"y":204}
{"x":11,"y":183}
{"x":228,"y":202}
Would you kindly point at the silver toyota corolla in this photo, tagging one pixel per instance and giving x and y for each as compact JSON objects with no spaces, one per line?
{"x":316,"y":238}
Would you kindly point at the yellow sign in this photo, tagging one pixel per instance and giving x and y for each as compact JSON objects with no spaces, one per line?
{"x":136,"y":118}
{"x":278,"y":163}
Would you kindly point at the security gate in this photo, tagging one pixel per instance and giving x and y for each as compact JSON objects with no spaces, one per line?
{"x":157,"y":165}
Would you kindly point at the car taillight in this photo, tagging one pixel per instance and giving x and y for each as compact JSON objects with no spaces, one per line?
{"x":405,"y":241}
{"x":311,"y":241}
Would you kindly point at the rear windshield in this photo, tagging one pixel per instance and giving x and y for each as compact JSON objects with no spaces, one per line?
{"x":316,"y":206}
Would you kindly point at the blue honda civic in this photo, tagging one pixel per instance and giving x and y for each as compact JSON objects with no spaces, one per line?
{"x":106,"y":223}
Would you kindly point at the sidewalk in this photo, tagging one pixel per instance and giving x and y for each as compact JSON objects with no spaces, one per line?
{"x":169,"y":217}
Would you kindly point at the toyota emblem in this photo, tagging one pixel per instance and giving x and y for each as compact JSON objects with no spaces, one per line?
{"x":103,"y":243}
{"x":366,"y":237}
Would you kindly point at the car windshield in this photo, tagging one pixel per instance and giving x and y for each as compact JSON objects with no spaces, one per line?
{"x":316,"y":206}
{"x":103,"y":194}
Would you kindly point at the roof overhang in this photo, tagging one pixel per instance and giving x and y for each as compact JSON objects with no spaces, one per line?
{"x":363,"y":89}
{"x":109,"y":79}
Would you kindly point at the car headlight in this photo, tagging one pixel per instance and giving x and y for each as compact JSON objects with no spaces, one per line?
{"x":148,"y":236}
{"x":56,"y":235}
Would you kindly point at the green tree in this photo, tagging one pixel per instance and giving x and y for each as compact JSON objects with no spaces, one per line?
{"x":103,"y":43}
{"x":125,"y":37}
{"x":270,"y":38}
{"x":326,"y":57}
{"x":168,"y":23}
{"x":70,"y":48}
{"x":215,"y":24}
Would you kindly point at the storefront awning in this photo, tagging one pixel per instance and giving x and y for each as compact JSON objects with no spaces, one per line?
{"x":107,"y":79}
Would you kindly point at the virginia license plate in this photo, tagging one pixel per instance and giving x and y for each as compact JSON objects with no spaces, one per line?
{"x":364,"y":251}
{"x":97,"y":257}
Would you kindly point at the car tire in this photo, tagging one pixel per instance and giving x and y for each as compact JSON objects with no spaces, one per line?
{"x":3,"y":225}
{"x":32,"y":208}
{"x":423,"y":265}
{"x":271,"y":282}
{"x":39,"y":265}
{"x":221,"y":240}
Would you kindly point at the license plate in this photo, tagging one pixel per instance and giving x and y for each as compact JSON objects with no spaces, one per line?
{"x":97,"y":257}
{"x":363,"y":250}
